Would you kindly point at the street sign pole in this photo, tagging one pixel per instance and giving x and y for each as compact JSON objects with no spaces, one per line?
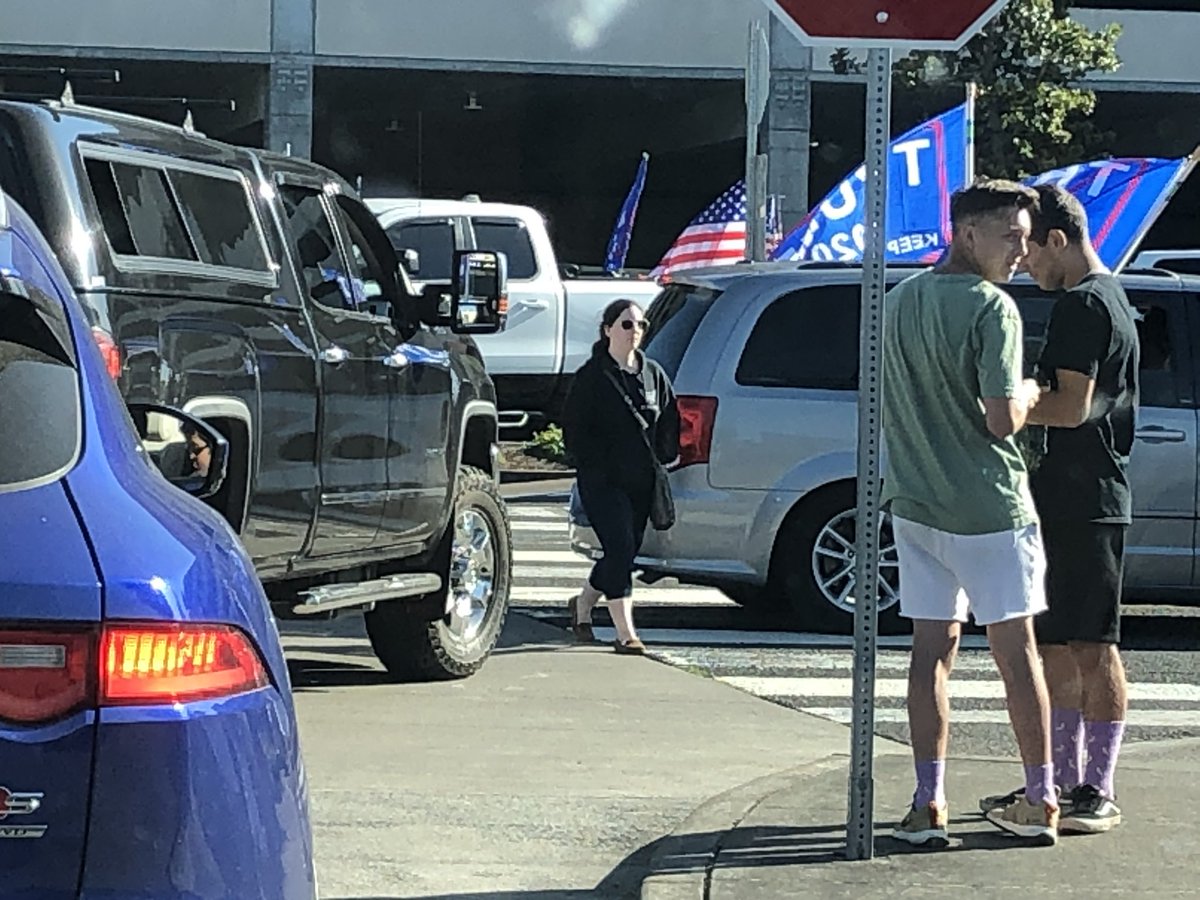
{"x":860,"y":839}
{"x":758,"y":87}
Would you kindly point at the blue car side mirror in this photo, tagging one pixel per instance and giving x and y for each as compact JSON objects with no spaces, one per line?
{"x":189,"y":452}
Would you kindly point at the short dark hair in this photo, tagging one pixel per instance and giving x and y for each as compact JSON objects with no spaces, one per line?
{"x":1058,"y":209}
{"x":988,"y":196}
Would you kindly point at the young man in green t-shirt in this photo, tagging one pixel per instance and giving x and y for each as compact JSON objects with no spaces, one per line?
{"x":966,"y":530}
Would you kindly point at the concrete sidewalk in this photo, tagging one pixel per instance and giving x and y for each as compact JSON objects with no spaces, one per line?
{"x":784,"y":837}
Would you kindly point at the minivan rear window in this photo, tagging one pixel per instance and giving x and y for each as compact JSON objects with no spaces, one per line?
{"x":673,"y":318}
{"x":39,"y":391}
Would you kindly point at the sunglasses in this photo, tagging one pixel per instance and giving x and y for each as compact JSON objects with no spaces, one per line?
{"x":197,"y":449}
{"x":630,"y":324}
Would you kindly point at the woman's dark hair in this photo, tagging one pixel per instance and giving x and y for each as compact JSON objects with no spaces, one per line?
{"x":608,"y":319}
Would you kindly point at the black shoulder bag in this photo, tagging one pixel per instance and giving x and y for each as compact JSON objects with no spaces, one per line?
{"x":662,"y":504}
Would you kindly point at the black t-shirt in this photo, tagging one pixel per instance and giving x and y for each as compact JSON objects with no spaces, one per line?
{"x":1083,"y":476}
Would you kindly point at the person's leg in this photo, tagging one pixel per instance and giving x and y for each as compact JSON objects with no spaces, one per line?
{"x":1028,"y":703}
{"x":1105,"y":704}
{"x":934,"y":646}
{"x":932,"y":598}
{"x":1053,"y":628}
{"x":1094,"y":648}
{"x":610,"y":512}
{"x":1004,"y":576}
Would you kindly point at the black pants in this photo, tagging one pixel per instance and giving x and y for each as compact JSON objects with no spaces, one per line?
{"x":618,"y":515}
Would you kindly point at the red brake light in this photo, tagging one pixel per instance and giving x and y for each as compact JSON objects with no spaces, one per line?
{"x":697,"y":415}
{"x":44,"y":675}
{"x":109,"y":351}
{"x":146,"y":664}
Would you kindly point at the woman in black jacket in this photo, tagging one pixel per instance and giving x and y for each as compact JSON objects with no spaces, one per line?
{"x":614,"y":469}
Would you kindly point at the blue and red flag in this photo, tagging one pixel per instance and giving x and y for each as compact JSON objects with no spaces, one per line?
{"x":1123,"y":197}
{"x":926,"y":166}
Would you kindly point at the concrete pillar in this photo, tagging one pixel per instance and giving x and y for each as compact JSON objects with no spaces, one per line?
{"x":290,"y":88}
{"x":788,"y":123}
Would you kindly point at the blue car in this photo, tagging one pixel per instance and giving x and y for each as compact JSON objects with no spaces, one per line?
{"x":148,"y":741}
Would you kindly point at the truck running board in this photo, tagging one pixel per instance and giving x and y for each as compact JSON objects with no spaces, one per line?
{"x":339,"y":596}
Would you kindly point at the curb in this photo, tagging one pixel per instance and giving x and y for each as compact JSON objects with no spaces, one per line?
{"x":681,"y":866}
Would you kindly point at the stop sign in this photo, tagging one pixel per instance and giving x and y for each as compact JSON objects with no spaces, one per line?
{"x":920,"y":24}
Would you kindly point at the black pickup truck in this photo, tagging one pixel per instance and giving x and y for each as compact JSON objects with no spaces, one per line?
{"x":256,"y":292}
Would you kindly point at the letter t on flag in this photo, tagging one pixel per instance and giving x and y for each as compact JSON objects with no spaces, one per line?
{"x":618,"y":244}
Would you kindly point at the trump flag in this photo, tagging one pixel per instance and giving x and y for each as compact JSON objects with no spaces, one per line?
{"x":926,"y":166}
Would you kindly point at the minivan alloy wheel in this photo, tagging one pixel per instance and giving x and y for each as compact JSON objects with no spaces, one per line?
{"x":834,"y":560}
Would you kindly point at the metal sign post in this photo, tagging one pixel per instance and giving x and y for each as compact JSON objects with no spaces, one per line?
{"x":758,"y":88}
{"x":860,"y":839}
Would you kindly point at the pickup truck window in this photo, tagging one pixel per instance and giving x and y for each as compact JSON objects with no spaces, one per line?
{"x":154,"y":222}
{"x":510,"y":237}
{"x":218,"y":216}
{"x":434,"y":243}
{"x":310,"y":230}
{"x":805,"y":339}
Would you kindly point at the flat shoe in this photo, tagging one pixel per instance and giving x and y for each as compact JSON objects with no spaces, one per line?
{"x":582,"y":630}
{"x":632,"y":647}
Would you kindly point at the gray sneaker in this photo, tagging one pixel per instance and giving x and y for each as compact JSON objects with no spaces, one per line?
{"x":998,"y":801}
{"x":1091,"y":813}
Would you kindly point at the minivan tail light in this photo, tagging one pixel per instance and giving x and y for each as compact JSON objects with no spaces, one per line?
{"x":697,"y":415}
{"x":45,"y":674}
{"x":148,"y":664}
{"x":109,"y":351}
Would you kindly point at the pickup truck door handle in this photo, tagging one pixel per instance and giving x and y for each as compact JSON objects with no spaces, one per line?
{"x":1157,"y":434}
{"x":539,"y":303}
{"x":334,"y":355}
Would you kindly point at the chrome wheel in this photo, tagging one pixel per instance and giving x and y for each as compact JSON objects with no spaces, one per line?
{"x":833,"y":562}
{"x":472,"y":573}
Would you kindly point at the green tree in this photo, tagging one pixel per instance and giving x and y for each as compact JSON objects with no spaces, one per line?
{"x":1032,"y":113}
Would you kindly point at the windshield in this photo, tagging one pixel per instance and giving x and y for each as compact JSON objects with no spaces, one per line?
{"x":674,"y":317}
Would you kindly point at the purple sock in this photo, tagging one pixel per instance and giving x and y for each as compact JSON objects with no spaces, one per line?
{"x":1103,"y":745}
{"x":1039,"y":784}
{"x":1066,"y":735}
{"x":931,"y":783}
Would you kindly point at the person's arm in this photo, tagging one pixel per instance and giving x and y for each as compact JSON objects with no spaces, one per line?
{"x":1077,"y":338}
{"x":1007,"y":398}
{"x":579,"y":422}
{"x":666,"y":430}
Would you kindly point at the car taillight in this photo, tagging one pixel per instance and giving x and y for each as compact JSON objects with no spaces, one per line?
{"x":697,"y":415}
{"x":147,"y":664}
{"x":45,"y":674}
{"x":109,"y":351}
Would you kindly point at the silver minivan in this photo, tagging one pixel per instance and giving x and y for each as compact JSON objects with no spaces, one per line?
{"x":765,"y":362}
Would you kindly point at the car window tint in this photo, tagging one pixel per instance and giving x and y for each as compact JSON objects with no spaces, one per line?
{"x":366,"y":271}
{"x":108,"y":202}
{"x":155,"y":223}
{"x":433,"y":241}
{"x":39,"y":391}
{"x":221,"y":221}
{"x":510,"y":237}
{"x":312,"y":235}
{"x":672,"y":320}
{"x":805,"y":339}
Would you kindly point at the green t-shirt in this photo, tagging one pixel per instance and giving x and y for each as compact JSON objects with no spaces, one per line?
{"x":951,"y":340}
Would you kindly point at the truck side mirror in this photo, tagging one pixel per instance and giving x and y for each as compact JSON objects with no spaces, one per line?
{"x":479,"y":293}
{"x":189,"y":452}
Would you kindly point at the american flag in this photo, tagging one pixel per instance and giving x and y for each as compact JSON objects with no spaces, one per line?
{"x":716,"y":237}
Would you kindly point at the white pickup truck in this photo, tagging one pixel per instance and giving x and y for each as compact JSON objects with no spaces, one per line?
{"x":552,"y":316}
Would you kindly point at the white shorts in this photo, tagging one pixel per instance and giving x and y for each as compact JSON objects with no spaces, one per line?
{"x":994,"y":577}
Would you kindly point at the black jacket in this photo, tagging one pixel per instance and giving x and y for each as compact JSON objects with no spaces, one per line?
{"x":602,"y":435}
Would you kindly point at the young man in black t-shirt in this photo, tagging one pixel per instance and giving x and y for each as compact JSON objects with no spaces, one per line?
{"x":1089,"y":369}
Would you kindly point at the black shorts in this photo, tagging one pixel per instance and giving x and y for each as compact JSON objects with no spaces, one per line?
{"x":1085,"y":564}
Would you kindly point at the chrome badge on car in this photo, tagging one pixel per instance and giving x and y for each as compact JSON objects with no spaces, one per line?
{"x":14,"y":803}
